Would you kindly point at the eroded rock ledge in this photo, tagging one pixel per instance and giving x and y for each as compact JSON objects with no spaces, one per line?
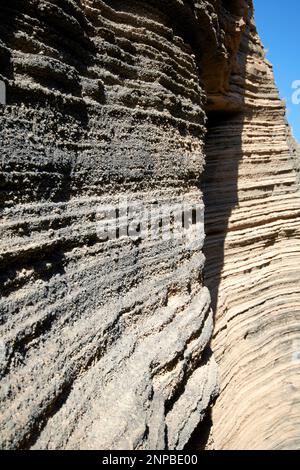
{"x":106,"y":344}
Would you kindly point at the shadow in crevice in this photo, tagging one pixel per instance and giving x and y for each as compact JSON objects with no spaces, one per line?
{"x":223,"y":153}
{"x":219,"y":185}
{"x":200,"y":438}
{"x":220,"y":193}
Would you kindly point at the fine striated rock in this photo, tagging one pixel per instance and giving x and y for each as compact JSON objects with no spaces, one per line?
{"x":118,"y":105}
{"x":252,"y":198}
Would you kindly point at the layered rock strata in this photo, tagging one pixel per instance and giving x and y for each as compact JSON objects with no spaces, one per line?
{"x":103,"y":339}
{"x":106,"y":339}
{"x":251,"y":186}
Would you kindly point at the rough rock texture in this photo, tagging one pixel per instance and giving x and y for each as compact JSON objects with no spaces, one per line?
{"x":106,"y":343}
{"x":252,"y":199}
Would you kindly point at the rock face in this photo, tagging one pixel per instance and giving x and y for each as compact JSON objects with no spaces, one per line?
{"x":106,"y":340}
{"x":251,"y":187}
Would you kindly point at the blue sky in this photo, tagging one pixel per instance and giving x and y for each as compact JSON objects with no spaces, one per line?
{"x":278,"y":25}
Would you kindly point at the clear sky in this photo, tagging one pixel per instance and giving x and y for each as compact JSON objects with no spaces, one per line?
{"x":278,"y":23}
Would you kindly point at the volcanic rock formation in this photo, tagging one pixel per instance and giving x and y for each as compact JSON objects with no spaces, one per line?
{"x":132,"y":341}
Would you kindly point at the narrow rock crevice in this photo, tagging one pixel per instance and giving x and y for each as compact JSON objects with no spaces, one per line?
{"x":125,"y":341}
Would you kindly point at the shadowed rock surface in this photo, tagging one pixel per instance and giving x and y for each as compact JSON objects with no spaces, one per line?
{"x":106,"y":343}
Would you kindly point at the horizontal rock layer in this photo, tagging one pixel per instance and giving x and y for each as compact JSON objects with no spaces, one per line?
{"x":105,"y":341}
{"x":102,"y":338}
{"x":252,"y":248}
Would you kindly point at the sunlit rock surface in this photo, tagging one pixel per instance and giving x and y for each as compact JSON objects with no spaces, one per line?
{"x":106,"y":343}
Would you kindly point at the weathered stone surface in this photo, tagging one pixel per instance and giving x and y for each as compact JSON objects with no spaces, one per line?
{"x":106,"y":343}
{"x":252,"y":200}
{"x":100,"y":337}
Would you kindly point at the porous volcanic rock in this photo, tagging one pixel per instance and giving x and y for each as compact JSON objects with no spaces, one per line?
{"x":106,"y":341}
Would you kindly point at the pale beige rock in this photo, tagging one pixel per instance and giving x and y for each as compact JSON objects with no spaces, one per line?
{"x":107,"y":344}
{"x":253,"y":263}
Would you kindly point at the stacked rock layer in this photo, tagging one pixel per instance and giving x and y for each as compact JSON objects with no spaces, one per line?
{"x":252,"y":198}
{"x":105,"y":340}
